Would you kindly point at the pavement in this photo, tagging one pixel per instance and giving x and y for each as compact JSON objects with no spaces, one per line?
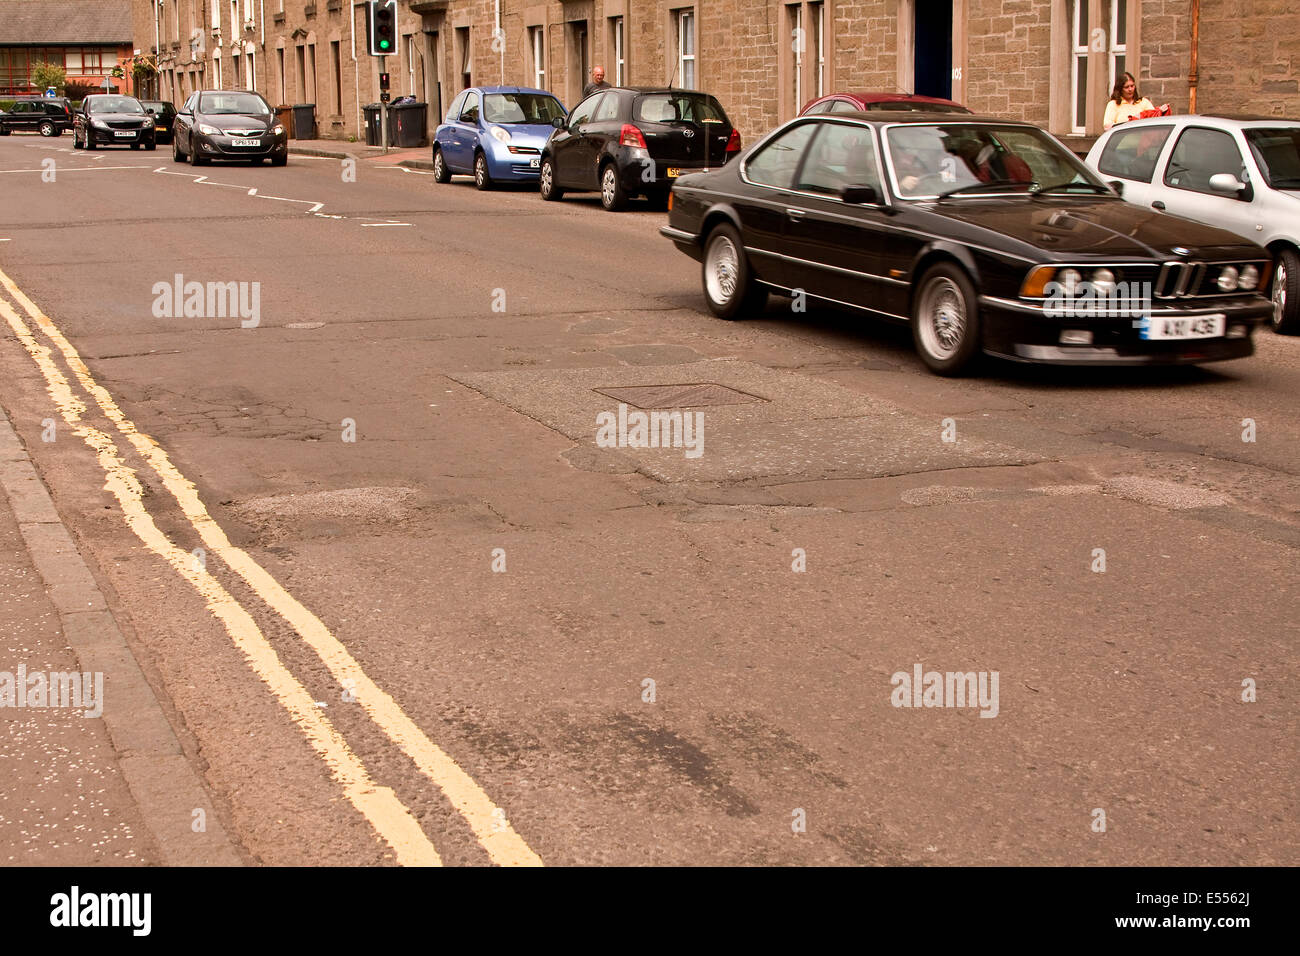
{"x":398,"y":602}
{"x":417,"y":158}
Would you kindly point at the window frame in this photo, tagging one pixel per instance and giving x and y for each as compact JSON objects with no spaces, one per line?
{"x":1242,"y":172}
{"x":685,"y":23}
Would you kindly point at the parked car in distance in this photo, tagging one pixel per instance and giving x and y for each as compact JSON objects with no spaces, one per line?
{"x":164,"y":114}
{"x":228,"y":125}
{"x":495,"y":134}
{"x":628,"y":141}
{"x":984,"y":235}
{"x":49,"y":116}
{"x":869,"y":102}
{"x":1237,"y":172}
{"x":111,"y":119}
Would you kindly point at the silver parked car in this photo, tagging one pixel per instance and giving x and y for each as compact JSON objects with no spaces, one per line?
{"x":1239,"y":173}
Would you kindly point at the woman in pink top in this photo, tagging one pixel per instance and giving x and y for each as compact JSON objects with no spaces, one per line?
{"x":1125,"y":102}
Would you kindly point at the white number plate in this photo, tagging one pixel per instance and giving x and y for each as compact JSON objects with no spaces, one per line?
{"x":535,"y":162}
{"x":125,"y":134}
{"x":245,"y":142}
{"x":1200,"y":327}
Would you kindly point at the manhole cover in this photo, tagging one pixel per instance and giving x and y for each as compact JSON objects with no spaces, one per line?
{"x":678,"y":396}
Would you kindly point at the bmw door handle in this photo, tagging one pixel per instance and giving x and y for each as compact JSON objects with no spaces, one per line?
{"x":795,"y":214}
{"x":1158,"y":205}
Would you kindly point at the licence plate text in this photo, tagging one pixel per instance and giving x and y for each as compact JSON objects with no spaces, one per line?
{"x":245,"y":142}
{"x":1198,"y":327}
{"x":127,"y":134}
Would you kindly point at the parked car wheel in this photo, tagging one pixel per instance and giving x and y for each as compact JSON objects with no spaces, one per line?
{"x":151,"y":145}
{"x":88,"y":139}
{"x":48,"y":128}
{"x":4,"y":131}
{"x":76,"y":143}
{"x":945,"y":320}
{"x":177,"y":155}
{"x":1286,"y":293}
{"x":279,"y":160}
{"x":441,"y":173}
{"x":612,"y":195}
{"x":729,"y":287}
{"x":546,"y":181}
{"x":482,"y":178}
{"x":195,"y":158}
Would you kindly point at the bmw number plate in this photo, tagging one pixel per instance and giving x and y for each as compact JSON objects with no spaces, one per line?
{"x":1200,"y":327}
{"x":245,"y":142}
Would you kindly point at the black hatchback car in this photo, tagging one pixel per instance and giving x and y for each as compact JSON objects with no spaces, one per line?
{"x":110,"y":119}
{"x":47,"y":115}
{"x":163,"y":114}
{"x":628,"y":141}
{"x":984,"y":235}
{"x":228,"y":124}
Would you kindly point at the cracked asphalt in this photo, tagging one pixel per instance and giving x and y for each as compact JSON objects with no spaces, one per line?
{"x":646,"y":658}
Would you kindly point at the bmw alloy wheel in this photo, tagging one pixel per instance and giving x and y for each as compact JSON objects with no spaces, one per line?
{"x":942,"y":317}
{"x":721,"y":266}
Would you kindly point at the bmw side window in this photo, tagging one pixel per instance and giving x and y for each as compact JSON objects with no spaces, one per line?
{"x":469,"y":114}
{"x":777,"y":162}
{"x":1132,"y":153}
{"x":1199,"y":154}
{"x":842,"y":155}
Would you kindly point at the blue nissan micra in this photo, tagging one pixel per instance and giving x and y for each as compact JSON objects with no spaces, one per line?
{"x":495,"y":134}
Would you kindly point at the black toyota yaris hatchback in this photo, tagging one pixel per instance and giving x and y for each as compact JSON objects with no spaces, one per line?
{"x":629,"y":141}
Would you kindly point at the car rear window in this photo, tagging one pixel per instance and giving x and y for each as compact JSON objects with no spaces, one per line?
{"x":1132,"y":153}
{"x":678,"y":107}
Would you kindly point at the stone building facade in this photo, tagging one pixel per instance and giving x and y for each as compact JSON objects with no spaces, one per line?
{"x":1047,"y":61}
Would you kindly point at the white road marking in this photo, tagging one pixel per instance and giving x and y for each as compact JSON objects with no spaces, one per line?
{"x":73,"y":169}
{"x":365,"y":225}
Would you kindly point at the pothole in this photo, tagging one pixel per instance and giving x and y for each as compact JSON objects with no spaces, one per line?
{"x":366,"y":504}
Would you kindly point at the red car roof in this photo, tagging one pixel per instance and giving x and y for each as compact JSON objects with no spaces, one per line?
{"x":864,"y":99}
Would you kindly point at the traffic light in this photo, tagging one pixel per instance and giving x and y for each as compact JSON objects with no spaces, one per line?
{"x":381,"y":27}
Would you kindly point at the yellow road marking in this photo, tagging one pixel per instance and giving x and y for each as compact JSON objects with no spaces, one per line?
{"x":379,"y":805}
{"x":502,"y":843}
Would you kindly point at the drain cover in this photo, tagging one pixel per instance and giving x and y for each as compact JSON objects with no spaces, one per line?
{"x":691,"y":395}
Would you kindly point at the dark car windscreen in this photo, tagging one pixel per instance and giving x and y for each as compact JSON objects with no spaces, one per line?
{"x":929,"y":161}
{"x":245,"y":104}
{"x":114,"y":104}
{"x":677,"y":108}
{"x":528,"y":108}
{"x":1277,"y":151}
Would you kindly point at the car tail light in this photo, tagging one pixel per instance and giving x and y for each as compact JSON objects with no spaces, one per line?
{"x":733,"y":142}
{"x":631,"y":136}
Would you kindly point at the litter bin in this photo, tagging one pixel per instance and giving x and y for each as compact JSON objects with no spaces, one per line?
{"x":284,"y":116}
{"x":406,"y":124}
{"x":374,"y":117}
{"x":304,"y":120}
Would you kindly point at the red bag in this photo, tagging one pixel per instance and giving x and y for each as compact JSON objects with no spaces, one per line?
{"x":1164,"y":110}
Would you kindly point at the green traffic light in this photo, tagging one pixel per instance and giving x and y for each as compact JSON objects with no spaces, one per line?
{"x":383,"y":44}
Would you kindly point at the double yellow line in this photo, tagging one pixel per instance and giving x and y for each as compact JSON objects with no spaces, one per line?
{"x":391,"y":819}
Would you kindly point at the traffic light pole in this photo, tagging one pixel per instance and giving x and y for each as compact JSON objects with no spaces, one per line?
{"x":383,"y":111}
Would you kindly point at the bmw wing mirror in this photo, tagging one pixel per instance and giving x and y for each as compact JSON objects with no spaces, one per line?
{"x":860,"y":195}
{"x":1118,"y":186}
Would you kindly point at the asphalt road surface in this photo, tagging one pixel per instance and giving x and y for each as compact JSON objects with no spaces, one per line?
{"x":401,"y":606}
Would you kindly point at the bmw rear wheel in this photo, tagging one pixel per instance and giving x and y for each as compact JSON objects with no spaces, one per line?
{"x":945,"y":320}
{"x":729,"y":288}
{"x":1286,"y":293}
{"x":482,"y":178}
{"x":546,"y":181}
{"x":441,"y":174}
{"x":612,"y":195}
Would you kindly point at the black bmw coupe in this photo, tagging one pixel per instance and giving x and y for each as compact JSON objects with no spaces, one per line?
{"x":986,"y":236}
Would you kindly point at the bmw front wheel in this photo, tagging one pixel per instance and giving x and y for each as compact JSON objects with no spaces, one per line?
{"x":729,"y":287}
{"x":945,"y":320}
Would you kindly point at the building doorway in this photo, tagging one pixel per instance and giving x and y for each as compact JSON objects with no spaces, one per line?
{"x":932,"y":36}
{"x":578,"y":59}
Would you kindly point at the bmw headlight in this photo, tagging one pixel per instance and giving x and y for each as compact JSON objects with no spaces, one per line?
{"x":1249,"y":278}
{"x":499,"y":134}
{"x":1103,"y":280}
{"x":207,"y":130}
{"x":1069,"y":279}
{"x":1228,"y":278}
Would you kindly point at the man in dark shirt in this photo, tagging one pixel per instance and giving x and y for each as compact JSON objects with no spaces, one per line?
{"x":597,"y":81}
